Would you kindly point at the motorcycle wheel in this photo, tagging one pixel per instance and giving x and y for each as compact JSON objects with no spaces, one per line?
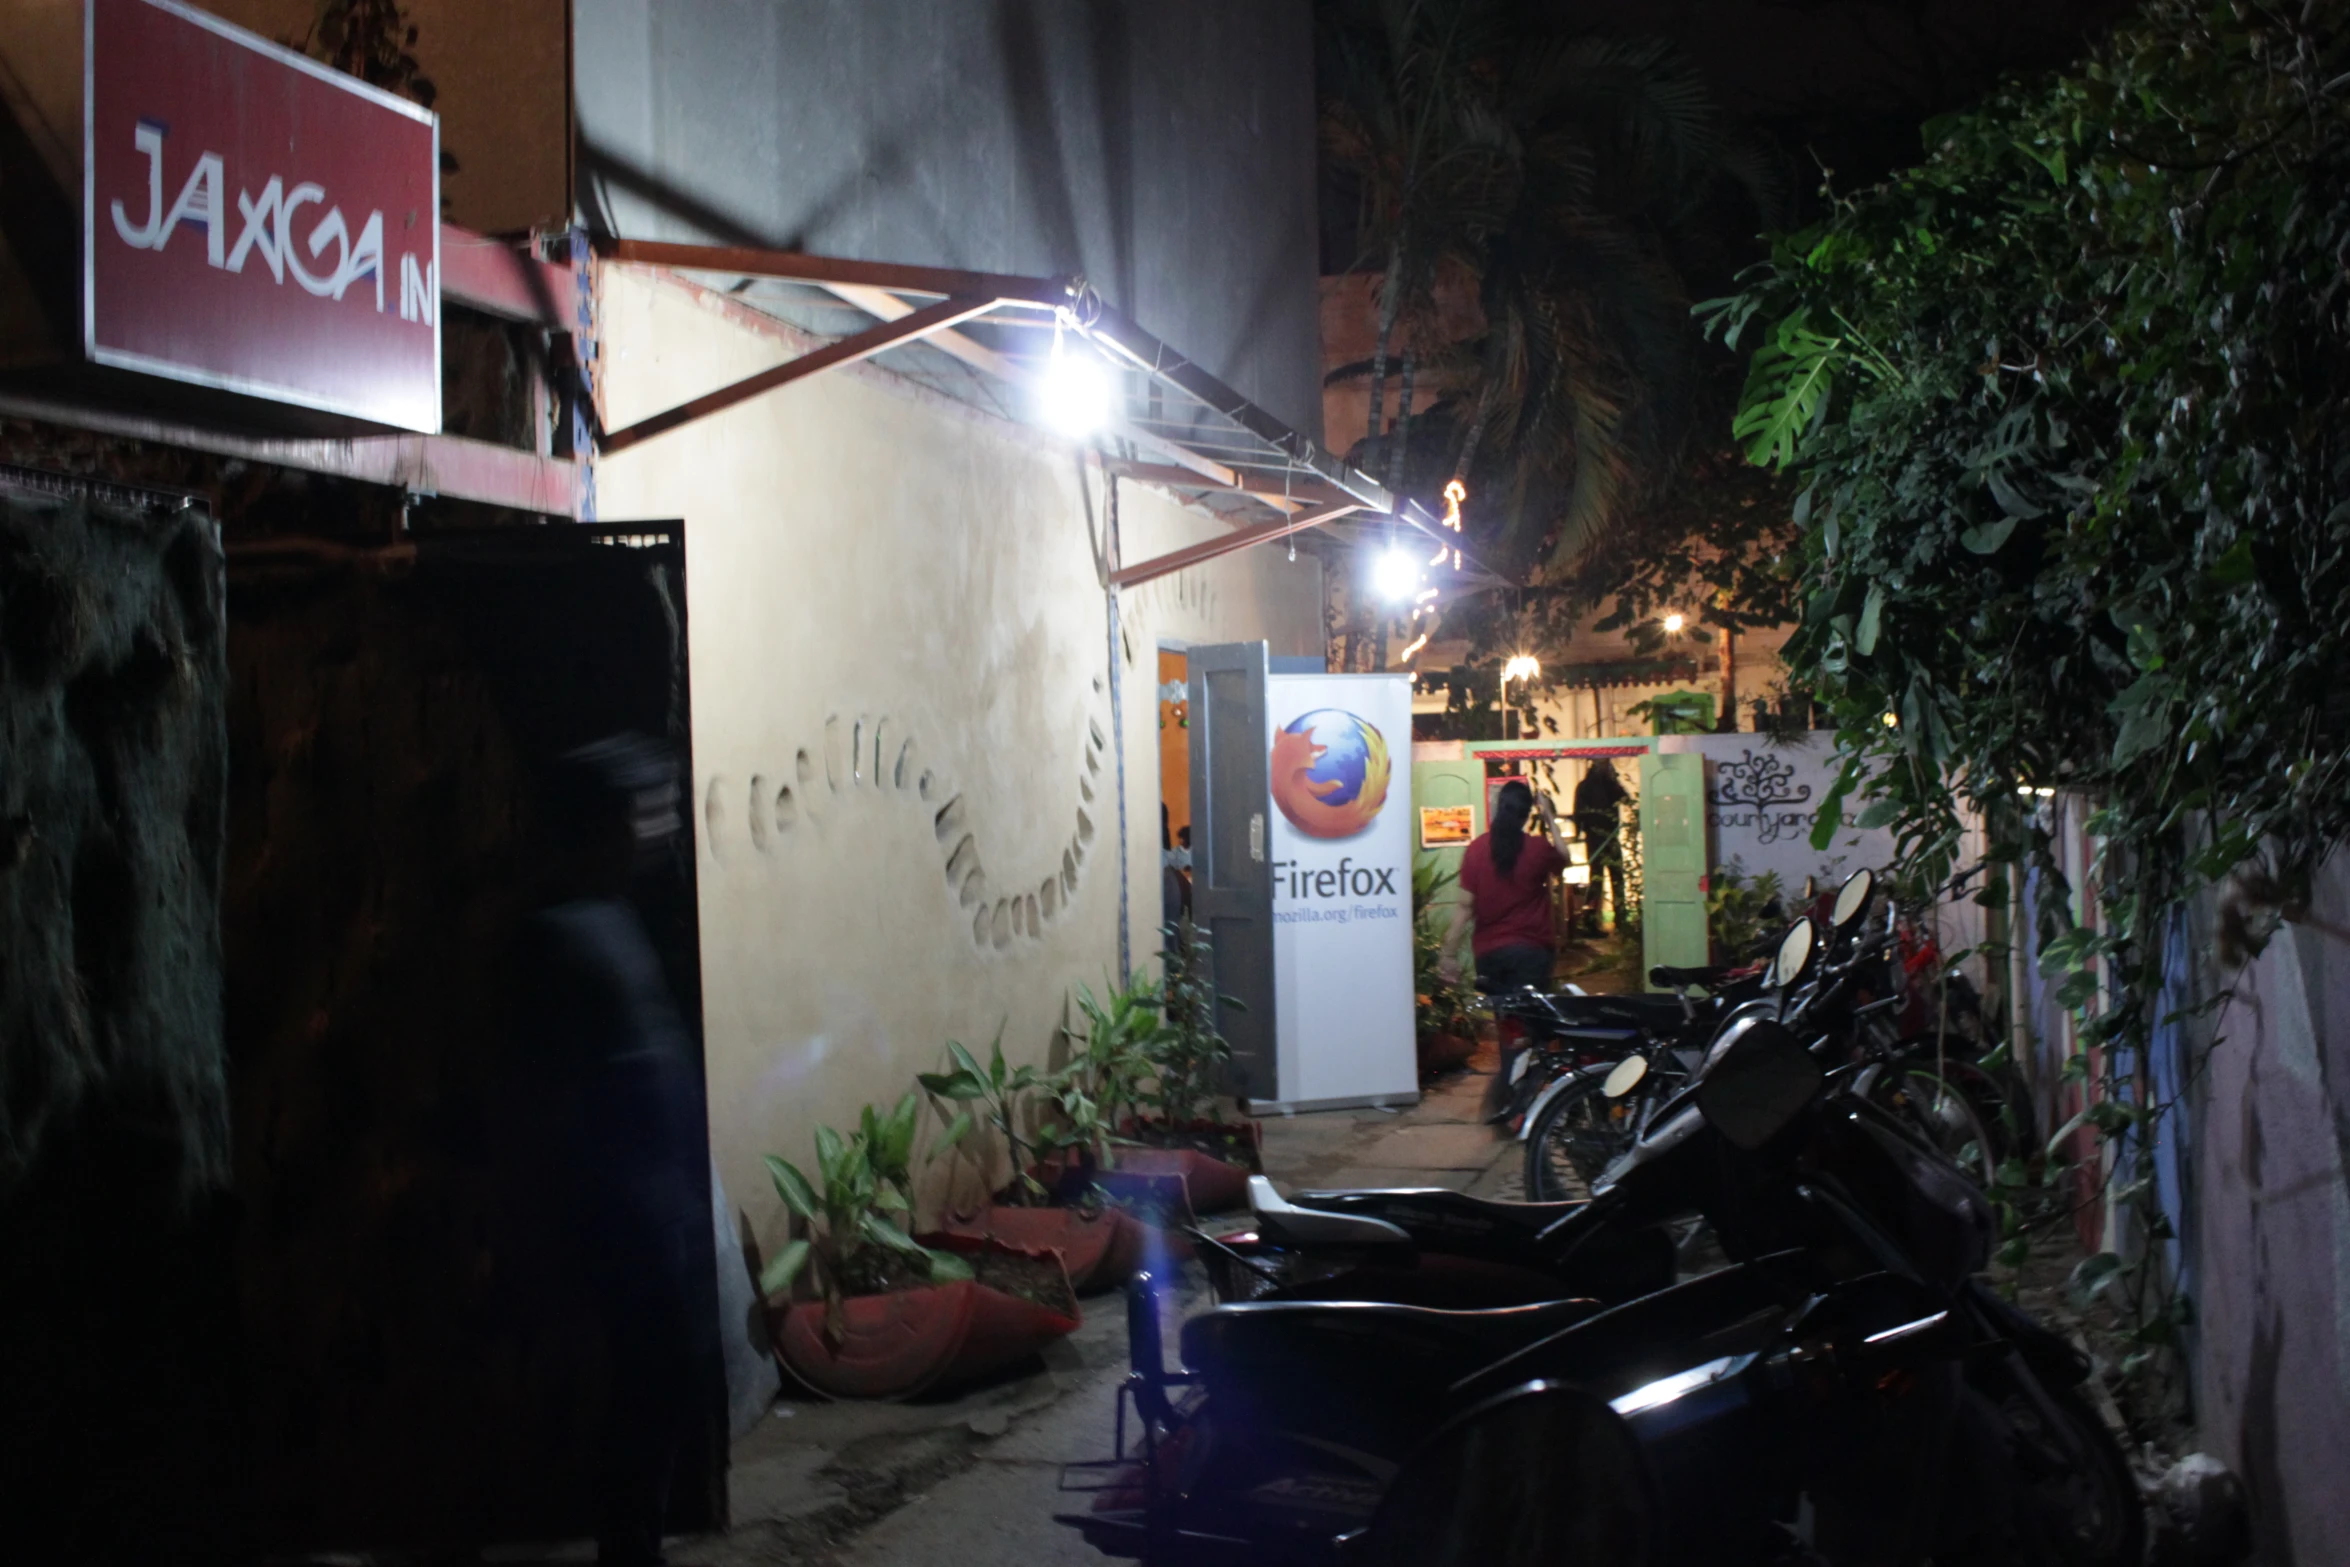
{"x":1942,"y":1112}
{"x":1577,"y":1135}
{"x":2076,"y":1484}
{"x":1999,"y":1103}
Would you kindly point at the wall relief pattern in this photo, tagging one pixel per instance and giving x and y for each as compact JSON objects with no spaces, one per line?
{"x":876,"y":755}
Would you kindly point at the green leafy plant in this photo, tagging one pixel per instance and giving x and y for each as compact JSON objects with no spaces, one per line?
{"x":1440,"y":1005}
{"x":852,"y":1212}
{"x":1676,"y":712}
{"x":1191,"y":1054}
{"x":2066,"y":409}
{"x":889,"y":1146}
{"x":1118,"y":1056}
{"x":998,"y":1096}
{"x":1738,"y":910}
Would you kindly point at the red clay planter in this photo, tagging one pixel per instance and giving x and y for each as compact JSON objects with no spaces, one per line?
{"x":1168,"y":1173}
{"x":1444,"y":1052}
{"x":1100,"y":1250}
{"x":909,"y":1341}
{"x":1211,"y":1185}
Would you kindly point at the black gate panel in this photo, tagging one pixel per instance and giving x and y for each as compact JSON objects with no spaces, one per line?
{"x":422,"y":1366}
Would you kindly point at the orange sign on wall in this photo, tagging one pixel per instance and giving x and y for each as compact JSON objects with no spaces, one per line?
{"x":1444,"y":826}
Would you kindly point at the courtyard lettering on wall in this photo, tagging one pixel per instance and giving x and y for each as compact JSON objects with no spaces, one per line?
{"x":1757,"y":795}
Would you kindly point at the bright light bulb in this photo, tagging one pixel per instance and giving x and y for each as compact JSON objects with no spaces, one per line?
{"x":1520,"y":668}
{"x":1397,"y":576}
{"x":1675,"y":621}
{"x":1075,"y":393}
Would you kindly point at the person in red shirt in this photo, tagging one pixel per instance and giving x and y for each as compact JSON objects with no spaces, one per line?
{"x":1505,"y":875}
{"x":1505,"y":882}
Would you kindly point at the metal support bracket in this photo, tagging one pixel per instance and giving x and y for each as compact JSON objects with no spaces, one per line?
{"x":848,"y":351}
{"x":1192,"y":555}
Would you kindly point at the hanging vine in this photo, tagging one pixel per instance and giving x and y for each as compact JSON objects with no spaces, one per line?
{"x":2065,"y":405}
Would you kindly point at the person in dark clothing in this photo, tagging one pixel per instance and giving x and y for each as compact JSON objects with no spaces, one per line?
{"x":1505,"y":883}
{"x":1174,"y":875}
{"x":1599,"y":801}
{"x":605,"y":1036}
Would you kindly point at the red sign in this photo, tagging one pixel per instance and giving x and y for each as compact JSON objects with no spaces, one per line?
{"x":257,"y":222}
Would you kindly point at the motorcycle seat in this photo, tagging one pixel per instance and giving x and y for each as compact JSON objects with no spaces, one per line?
{"x":1286,"y":1338}
{"x":1435,"y":1211}
{"x":1657,"y":1014}
{"x":1704,"y":978}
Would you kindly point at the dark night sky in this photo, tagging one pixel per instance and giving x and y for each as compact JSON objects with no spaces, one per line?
{"x":1852,"y":78}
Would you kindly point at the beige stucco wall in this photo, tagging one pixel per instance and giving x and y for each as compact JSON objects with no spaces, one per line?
{"x":905,"y":758}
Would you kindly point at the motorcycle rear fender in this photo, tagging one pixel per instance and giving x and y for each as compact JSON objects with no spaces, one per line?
{"x":2052,"y":1357}
{"x":1731,"y":1311}
{"x":1558,"y":1086}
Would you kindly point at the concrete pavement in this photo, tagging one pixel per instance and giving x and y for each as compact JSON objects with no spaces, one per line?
{"x":974,"y":1479}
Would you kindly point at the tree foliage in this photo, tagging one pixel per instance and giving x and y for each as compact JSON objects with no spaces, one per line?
{"x":2066,"y":409}
{"x":1577,"y":179}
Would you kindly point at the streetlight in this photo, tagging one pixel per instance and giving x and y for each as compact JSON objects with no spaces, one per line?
{"x":1396,"y":575}
{"x":1074,"y":393}
{"x":1520,"y":667}
{"x":1674,"y":622}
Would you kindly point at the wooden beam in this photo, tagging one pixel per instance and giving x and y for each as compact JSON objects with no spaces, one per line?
{"x":798,"y":266}
{"x":1194,"y":554}
{"x":419,"y":464}
{"x":504,"y":280}
{"x":848,"y":351}
{"x":883,"y":305}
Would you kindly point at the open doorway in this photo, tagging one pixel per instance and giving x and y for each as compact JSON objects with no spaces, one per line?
{"x":1174,"y":785}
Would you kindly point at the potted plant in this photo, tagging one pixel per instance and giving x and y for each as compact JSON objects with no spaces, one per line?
{"x":1445,"y":1033}
{"x":1099,"y":1246}
{"x":894,"y":1316}
{"x":1186,"y":1129}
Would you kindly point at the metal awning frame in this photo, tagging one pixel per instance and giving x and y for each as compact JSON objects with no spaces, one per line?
{"x":1186,"y":430}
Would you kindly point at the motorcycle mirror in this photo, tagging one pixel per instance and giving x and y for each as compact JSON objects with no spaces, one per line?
{"x":1852,"y":899}
{"x":1757,"y":1086}
{"x":1794,"y":955}
{"x":1625,"y":1077}
{"x":1543,"y":1473}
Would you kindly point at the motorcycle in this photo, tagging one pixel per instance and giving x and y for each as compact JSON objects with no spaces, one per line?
{"x":1439,"y":1247}
{"x":1843,"y":1391}
{"x":1583,"y":1121}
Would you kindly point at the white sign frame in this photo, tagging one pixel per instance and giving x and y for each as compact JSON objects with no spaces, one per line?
{"x":1342,"y":917}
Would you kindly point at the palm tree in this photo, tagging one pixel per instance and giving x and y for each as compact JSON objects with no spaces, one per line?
{"x":1569,"y":175}
{"x":1403,"y":113}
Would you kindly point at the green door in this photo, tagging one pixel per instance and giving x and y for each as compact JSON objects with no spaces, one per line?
{"x":1438,"y":786}
{"x":1672,"y":861}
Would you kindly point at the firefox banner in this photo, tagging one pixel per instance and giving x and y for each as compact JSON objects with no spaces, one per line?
{"x":1341,"y":853}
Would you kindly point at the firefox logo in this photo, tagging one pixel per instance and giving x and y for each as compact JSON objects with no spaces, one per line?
{"x":1330,"y":773}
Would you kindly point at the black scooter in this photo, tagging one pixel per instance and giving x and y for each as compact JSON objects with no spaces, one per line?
{"x":1844,"y":1392}
{"x":1435,"y":1247}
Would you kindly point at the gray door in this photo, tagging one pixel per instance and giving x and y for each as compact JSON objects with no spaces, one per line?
{"x":1231,"y":881}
